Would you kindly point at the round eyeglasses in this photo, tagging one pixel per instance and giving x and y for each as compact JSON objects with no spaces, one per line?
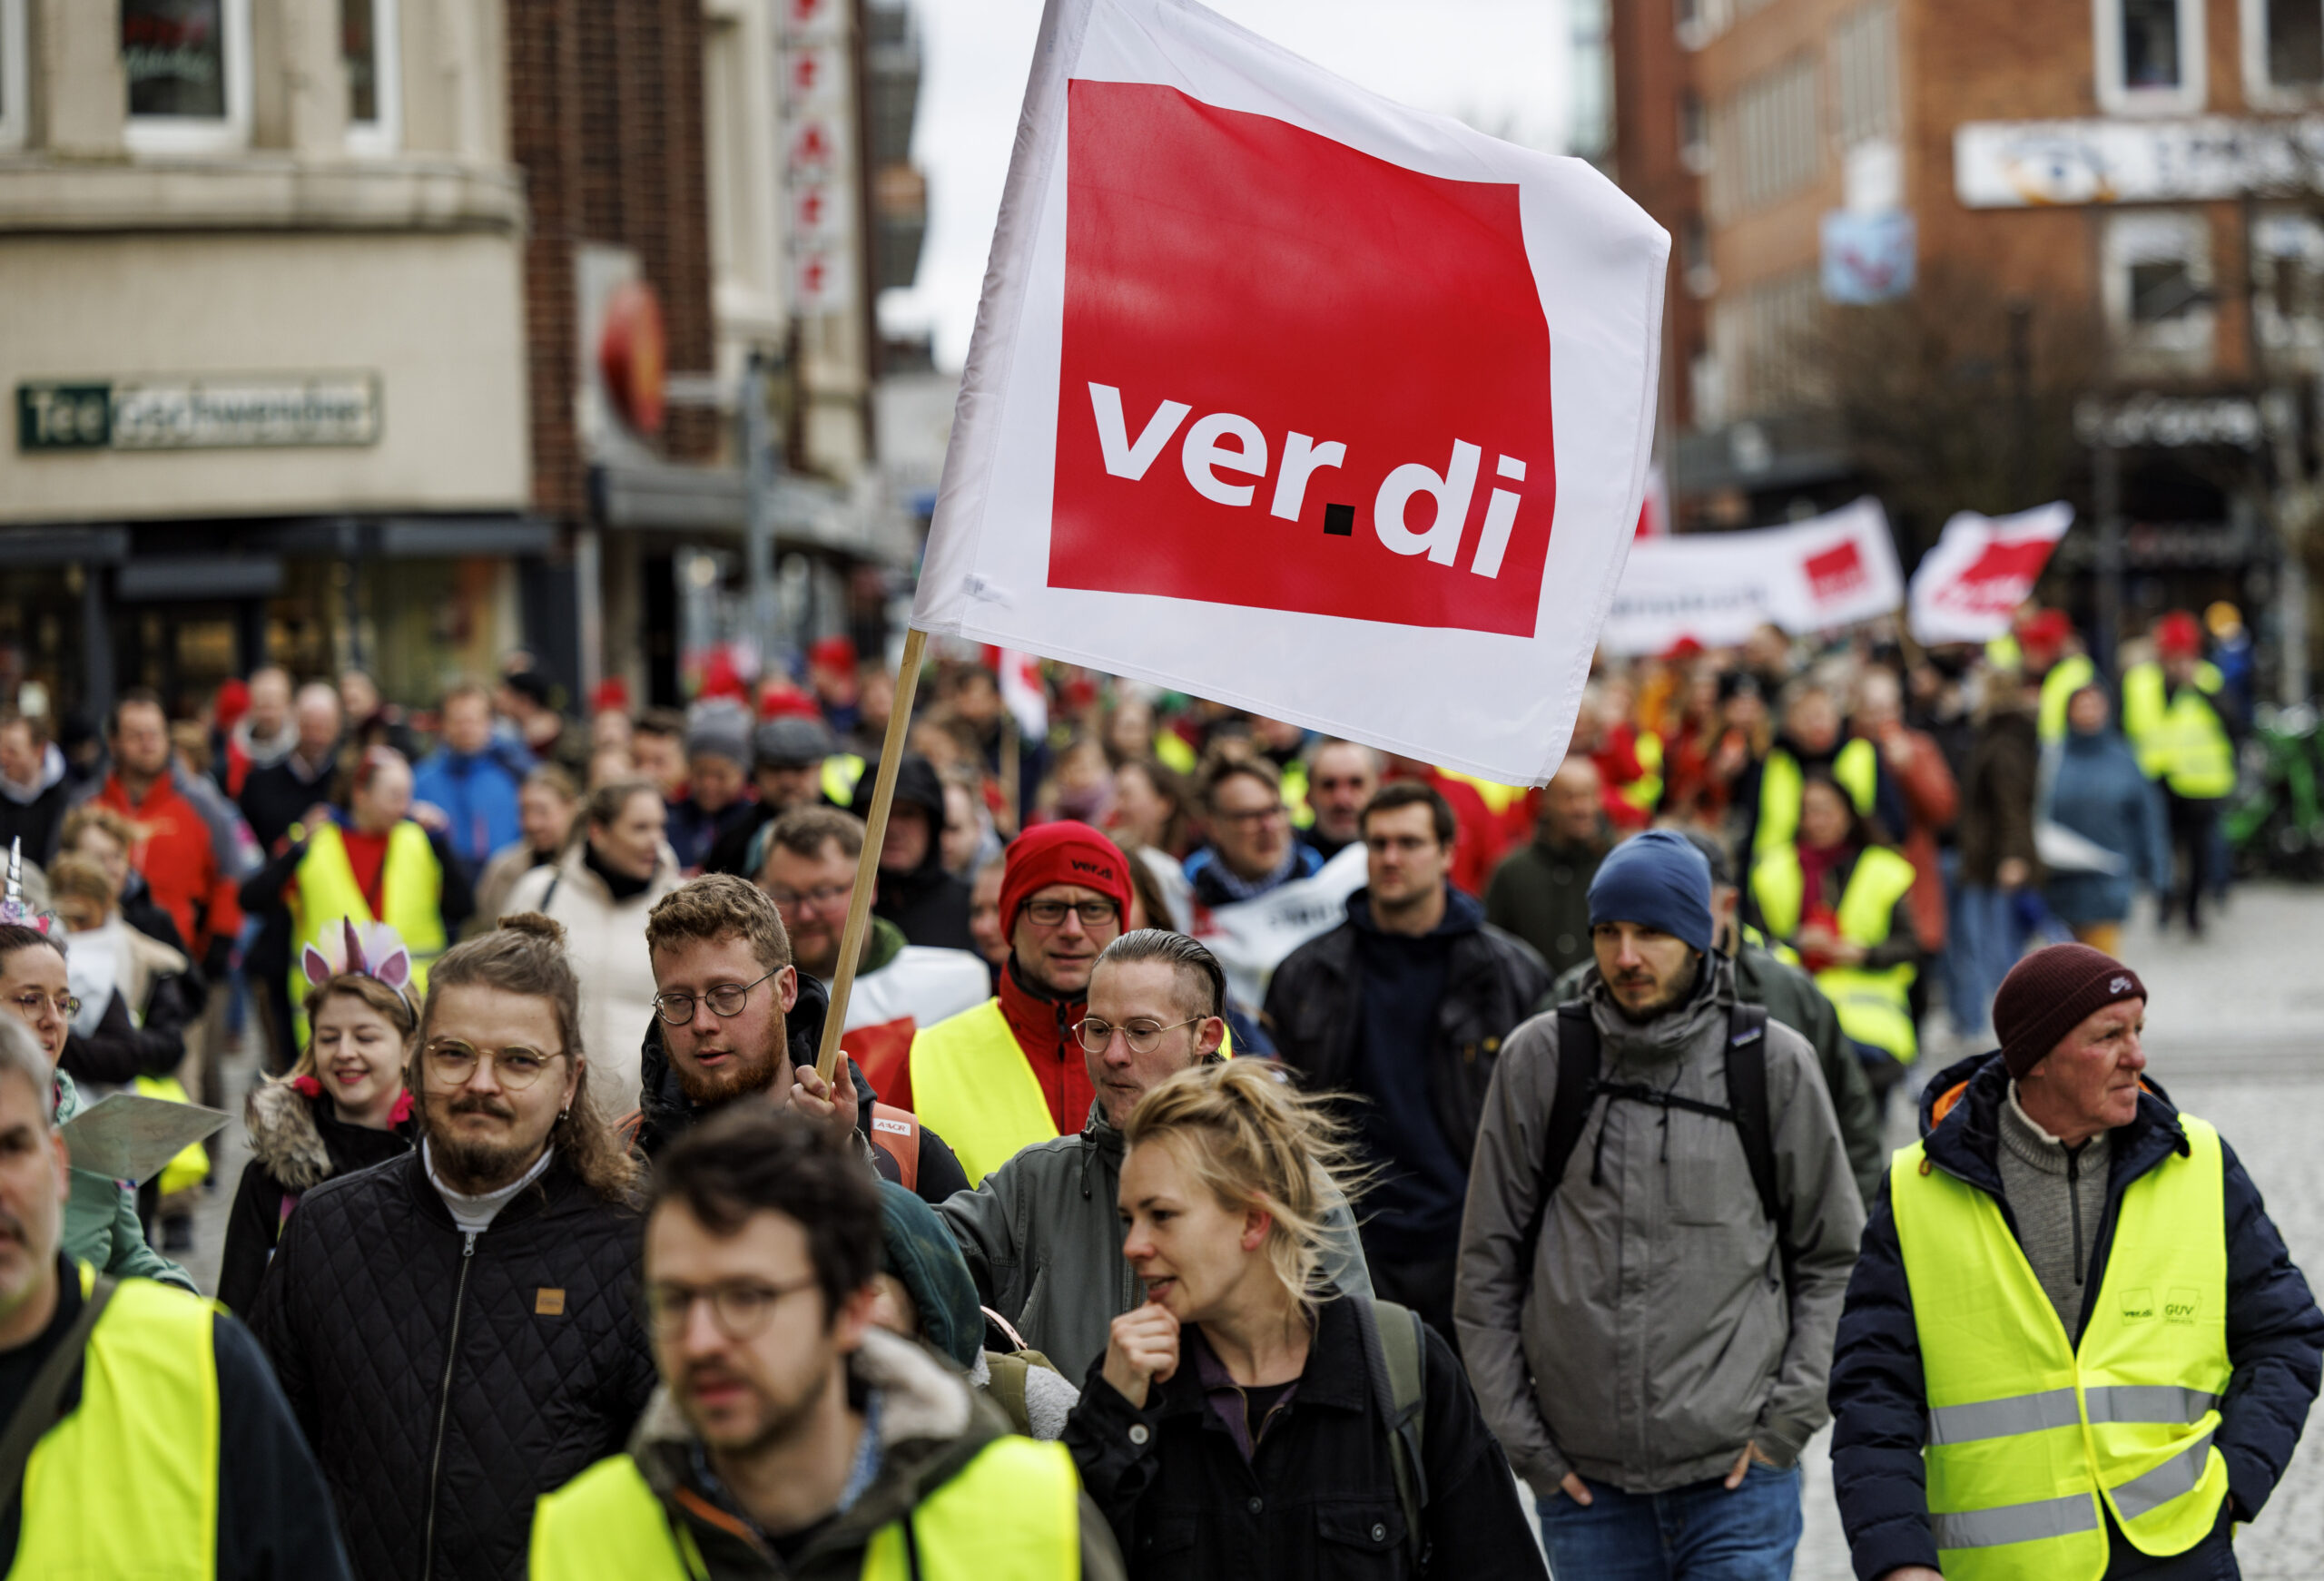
{"x":452,"y":1063}
{"x":725,"y":999}
{"x":741,"y":1310}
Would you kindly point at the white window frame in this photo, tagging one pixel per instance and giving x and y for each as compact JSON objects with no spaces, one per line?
{"x":2135,"y":236}
{"x":2118,"y":98}
{"x":2286,"y":233}
{"x":2259,"y":92}
{"x":382,"y":137}
{"x":198,"y":134}
{"x":15,"y":79}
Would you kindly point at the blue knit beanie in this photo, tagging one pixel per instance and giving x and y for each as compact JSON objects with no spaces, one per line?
{"x":1655,"y":879}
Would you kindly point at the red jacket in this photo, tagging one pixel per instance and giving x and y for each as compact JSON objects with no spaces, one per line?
{"x":179,"y":860}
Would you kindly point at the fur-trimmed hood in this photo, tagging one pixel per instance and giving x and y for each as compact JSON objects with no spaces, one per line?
{"x":284,"y":1118}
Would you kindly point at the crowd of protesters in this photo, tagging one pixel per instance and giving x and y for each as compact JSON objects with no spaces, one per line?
{"x":1251,"y":1153}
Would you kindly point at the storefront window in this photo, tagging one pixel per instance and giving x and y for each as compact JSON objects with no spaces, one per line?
{"x":187,"y":64}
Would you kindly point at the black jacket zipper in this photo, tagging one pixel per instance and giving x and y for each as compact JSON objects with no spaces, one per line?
{"x":444,"y":1408}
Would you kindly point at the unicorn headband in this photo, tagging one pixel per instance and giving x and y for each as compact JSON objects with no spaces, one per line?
{"x":13,"y":912}
{"x":372,"y":949}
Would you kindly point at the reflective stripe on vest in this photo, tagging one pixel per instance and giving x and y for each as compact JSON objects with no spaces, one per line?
{"x":127,"y":1484}
{"x":324,"y":891}
{"x":1856,"y":771}
{"x":1011,"y":1514}
{"x":1875,"y":1004}
{"x":972,"y":1085}
{"x":2066,"y":677}
{"x":2026,"y":1433}
{"x":2179,"y":740}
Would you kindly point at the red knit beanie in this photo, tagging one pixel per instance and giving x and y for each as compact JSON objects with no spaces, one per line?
{"x":1062,"y":853}
{"x":2048,"y":994}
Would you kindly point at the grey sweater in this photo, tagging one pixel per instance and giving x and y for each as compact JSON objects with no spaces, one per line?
{"x":2057,"y":1195}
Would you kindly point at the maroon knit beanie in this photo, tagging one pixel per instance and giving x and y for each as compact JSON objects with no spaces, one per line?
{"x":2047,"y":994}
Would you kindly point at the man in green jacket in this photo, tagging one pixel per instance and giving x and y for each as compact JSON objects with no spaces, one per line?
{"x":1042,"y":1233}
{"x":1540,"y":893}
{"x":1792,"y":997}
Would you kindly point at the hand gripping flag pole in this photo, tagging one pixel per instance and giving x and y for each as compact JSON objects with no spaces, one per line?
{"x":867,"y":864}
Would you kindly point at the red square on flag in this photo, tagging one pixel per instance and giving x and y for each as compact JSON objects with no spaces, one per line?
{"x":1295,"y":375}
{"x":1837,"y":570}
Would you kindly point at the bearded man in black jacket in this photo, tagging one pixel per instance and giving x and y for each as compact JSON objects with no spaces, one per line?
{"x":456,"y":1328}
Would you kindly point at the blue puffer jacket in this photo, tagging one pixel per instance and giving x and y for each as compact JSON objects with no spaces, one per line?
{"x":2275,"y":1335}
{"x":2100,"y":795}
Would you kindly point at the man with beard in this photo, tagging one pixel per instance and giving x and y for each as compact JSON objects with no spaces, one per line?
{"x":162,"y":1436}
{"x":733,"y":1018}
{"x":456,"y":1328}
{"x":1660,"y":1227}
{"x":793,"y":1438}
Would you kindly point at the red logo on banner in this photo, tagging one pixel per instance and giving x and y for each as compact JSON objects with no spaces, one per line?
{"x":1837,"y":572}
{"x":1999,"y":577}
{"x":1294,"y":376}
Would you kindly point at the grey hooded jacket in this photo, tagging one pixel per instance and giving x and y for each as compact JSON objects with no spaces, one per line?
{"x":1043,"y":1241}
{"x":1649,"y":1335}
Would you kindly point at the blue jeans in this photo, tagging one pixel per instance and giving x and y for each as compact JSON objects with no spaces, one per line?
{"x":1984,"y":940}
{"x":1700,"y":1532}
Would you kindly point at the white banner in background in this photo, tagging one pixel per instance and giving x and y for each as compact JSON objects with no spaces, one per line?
{"x":1278,"y":389}
{"x":1831,"y":570}
{"x":1966,"y":588}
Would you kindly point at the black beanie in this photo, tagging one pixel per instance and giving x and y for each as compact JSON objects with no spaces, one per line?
{"x":2048,"y":994}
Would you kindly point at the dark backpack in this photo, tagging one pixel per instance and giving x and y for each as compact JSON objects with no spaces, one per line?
{"x":1580,"y":1086}
{"x":1393,"y":1333}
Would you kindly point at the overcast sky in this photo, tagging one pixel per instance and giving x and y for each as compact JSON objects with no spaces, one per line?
{"x":1498,"y":64}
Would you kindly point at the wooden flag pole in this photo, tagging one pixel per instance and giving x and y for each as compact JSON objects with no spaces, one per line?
{"x":867,"y":866}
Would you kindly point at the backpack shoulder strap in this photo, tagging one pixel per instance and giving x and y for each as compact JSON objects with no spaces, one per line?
{"x":896,"y":1133}
{"x":1404,"y":1352}
{"x":1747,"y":1094}
{"x":1568,"y":1108}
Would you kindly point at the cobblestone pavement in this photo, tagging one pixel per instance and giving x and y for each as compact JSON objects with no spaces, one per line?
{"x":2235,"y":1033}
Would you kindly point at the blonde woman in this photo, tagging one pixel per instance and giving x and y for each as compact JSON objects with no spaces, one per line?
{"x":1244,"y":1420}
{"x":343,"y":1107}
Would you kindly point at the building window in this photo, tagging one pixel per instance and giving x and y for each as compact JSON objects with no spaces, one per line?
{"x":188,"y":67}
{"x":1762,"y":338}
{"x":1694,"y":133}
{"x":13,"y":76}
{"x":1700,"y":20}
{"x":2287,"y":288}
{"x":368,"y":37}
{"x":2283,"y":52}
{"x":1863,"y":73}
{"x":1766,"y":144}
{"x":2157,"y":290}
{"x":2150,"y":55}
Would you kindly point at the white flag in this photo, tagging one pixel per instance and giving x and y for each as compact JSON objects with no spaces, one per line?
{"x":1021,"y":691}
{"x":1966,"y":589}
{"x":1831,"y":570}
{"x":1288,"y":395}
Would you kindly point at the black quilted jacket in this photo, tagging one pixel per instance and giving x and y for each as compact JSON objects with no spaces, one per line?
{"x":445,"y":1384}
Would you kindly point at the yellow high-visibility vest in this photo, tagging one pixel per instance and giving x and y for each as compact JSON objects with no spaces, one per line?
{"x":324,"y":892}
{"x":127,"y":1484}
{"x":2029,"y":1433}
{"x":2066,"y":677}
{"x":972,"y":1085}
{"x":1011,"y":1514}
{"x":841,"y":772}
{"x":1856,"y":771}
{"x":1645,"y":792}
{"x":2179,"y":740}
{"x":1875,"y":1006}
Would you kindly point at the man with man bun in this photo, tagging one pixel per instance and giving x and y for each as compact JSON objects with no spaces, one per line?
{"x":2073,"y":1344}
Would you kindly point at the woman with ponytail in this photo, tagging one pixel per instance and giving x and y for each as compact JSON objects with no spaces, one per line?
{"x":1247,"y":1421}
